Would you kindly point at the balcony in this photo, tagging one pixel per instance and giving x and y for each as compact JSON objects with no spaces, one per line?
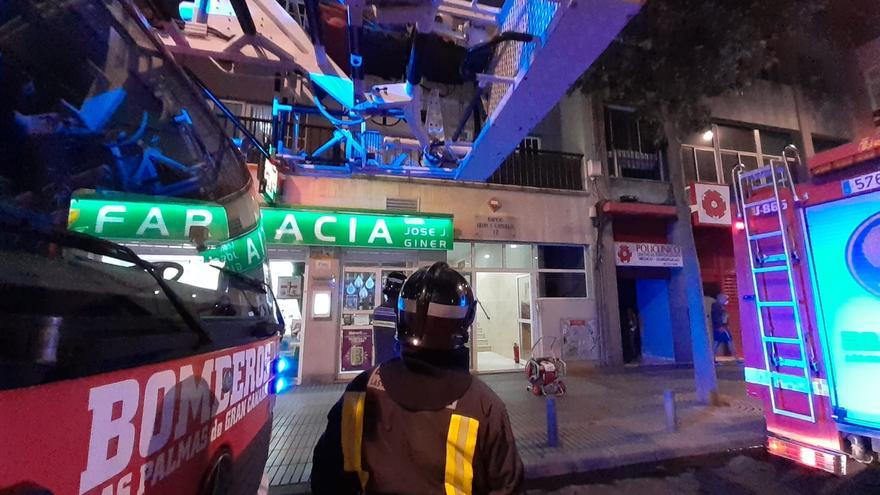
{"x":540,"y":168}
{"x":636,"y":165}
{"x":524,"y":167}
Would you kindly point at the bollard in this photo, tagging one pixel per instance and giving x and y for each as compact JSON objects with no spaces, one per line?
{"x":669,"y":406}
{"x":552,"y":429}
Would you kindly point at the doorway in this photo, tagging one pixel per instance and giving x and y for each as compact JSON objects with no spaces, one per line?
{"x":288,"y":285}
{"x":630,"y":325}
{"x":503,"y":325}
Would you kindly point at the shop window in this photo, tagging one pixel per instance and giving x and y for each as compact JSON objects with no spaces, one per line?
{"x":561,"y":272}
{"x":359,"y":290}
{"x":460,"y":255}
{"x":487,"y":255}
{"x":518,"y":256}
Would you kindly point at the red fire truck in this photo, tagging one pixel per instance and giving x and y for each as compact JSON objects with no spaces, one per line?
{"x":120,"y":375}
{"x":808,"y":270}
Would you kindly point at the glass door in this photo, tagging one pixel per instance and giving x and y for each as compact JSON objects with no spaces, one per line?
{"x":288,"y":279}
{"x":524,"y":297}
{"x":503,"y":319}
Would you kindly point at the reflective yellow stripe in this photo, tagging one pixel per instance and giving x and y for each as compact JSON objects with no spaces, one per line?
{"x":461,"y":441}
{"x":353,"y":434}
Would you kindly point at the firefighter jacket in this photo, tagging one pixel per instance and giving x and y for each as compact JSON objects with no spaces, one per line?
{"x":406,"y":427}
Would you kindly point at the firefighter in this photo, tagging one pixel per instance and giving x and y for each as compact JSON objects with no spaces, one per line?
{"x":420,"y":423}
{"x":385,"y":318}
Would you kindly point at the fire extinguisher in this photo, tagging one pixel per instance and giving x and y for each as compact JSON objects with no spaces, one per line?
{"x":516,"y":353}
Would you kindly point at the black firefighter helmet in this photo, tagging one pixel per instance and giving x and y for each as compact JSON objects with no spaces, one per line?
{"x":435,"y":309}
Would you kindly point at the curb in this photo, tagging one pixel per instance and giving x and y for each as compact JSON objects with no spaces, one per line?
{"x":566,"y":464}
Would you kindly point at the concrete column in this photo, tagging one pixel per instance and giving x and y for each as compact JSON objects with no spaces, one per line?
{"x":611,"y":348}
{"x":686,"y":286}
{"x":319,"y":359}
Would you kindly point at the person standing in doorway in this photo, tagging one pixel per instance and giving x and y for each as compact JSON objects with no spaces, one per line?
{"x":720,"y":330}
{"x":421,"y":423}
{"x":385,"y":318}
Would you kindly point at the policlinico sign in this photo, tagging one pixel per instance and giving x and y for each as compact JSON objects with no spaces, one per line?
{"x":172,"y":221}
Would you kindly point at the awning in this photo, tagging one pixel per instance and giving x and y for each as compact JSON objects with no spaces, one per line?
{"x":617,"y":208}
{"x":844,"y":156}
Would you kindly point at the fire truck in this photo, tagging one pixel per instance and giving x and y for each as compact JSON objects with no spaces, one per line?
{"x":808,"y":274}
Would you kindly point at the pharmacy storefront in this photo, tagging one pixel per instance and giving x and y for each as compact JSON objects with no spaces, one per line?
{"x":329,"y":266}
{"x":336,"y":261}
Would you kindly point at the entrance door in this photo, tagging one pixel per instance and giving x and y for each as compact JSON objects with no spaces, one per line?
{"x":288,"y":279}
{"x":503,"y":319}
{"x":524,"y":297}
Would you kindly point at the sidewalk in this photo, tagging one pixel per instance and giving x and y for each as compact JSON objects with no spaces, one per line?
{"x":606,"y":420}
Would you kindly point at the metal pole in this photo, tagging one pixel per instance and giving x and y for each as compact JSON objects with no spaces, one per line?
{"x":552,"y":427}
{"x":669,"y":407}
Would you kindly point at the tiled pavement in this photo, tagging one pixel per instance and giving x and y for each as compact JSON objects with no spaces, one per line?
{"x":606,"y":420}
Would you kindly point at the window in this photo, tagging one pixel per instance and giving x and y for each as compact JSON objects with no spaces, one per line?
{"x":772,"y":143}
{"x":561,"y":257}
{"x":706,"y":170}
{"x":561,"y":272}
{"x":487,"y":255}
{"x":821,"y":144}
{"x":689,"y":164}
{"x":633,"y":149}
{"x":518,"y":256}
{"x":530,"y":143}
{"x":460,"y":256}
{"x":736,"y":138}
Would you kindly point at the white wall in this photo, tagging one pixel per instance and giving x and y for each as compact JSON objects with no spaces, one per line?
{"x":540,"y":217}
{"x":497,"y":293}
{"x":551,"y":312}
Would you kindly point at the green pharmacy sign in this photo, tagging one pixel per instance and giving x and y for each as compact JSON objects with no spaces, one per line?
{"x":143,"y":221}
{"x":313,"y":227}
{"x":242,"y":254}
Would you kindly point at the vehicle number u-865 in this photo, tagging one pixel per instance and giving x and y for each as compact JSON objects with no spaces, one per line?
{"x":867,"y":182}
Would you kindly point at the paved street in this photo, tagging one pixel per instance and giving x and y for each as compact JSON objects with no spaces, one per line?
{"x":741,"y":473}
{"x":606,"y":420}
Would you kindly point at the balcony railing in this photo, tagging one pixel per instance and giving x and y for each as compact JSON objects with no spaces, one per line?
{"x":531,"y":168}
{"x":540,"y":168}
{"x":636,"y":165}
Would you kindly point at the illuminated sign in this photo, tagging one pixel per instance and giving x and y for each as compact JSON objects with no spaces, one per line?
{"x":242,"y":254}
{"x":153,"y":221}
{"x":648,"y":254}
{"x":863,"y":255}
{"x":146,"y":221}
{"x":310,"y":227}
{"x":710,"y":203}
{"x":844,"y":237}
{"x":269,"y":180}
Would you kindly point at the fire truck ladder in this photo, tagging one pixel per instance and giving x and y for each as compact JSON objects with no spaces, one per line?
{"x":778,"y":177}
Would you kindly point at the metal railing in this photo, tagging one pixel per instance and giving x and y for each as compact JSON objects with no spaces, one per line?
{"x":540,"y":168}
{"x":310,"y":136}
{"x":524,"y":167}
{"x":636,"y":165}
